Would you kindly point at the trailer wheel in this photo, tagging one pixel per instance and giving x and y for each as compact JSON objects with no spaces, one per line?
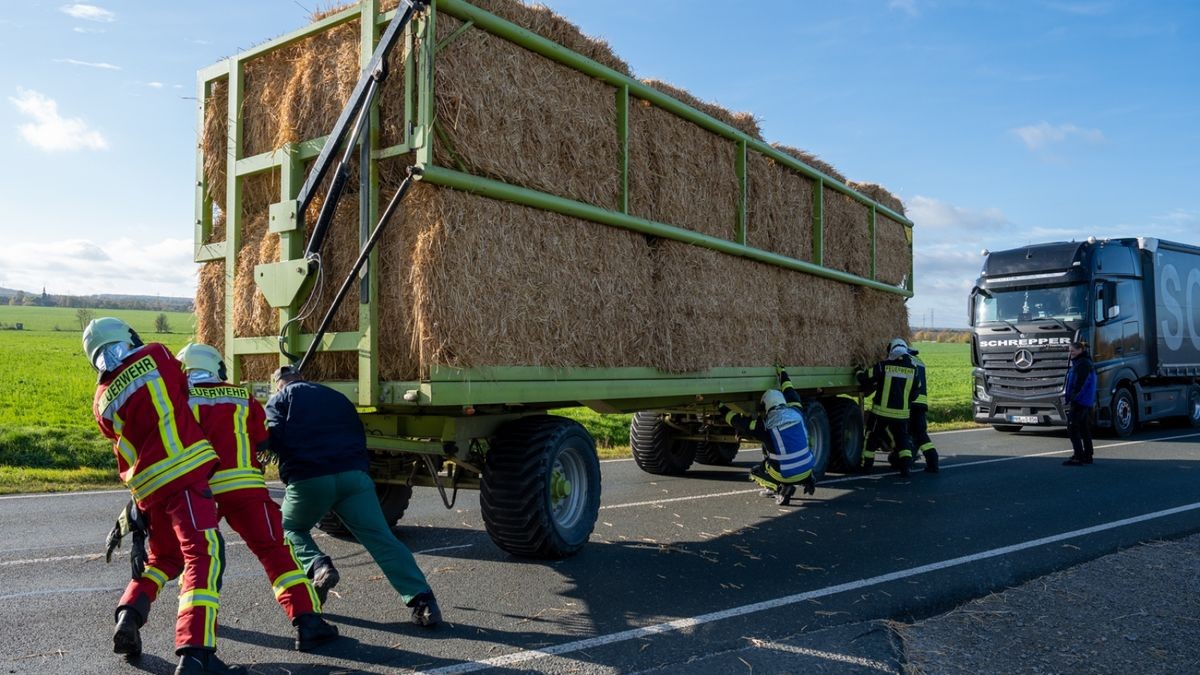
{"x":1007,"y":428}
{"x":846,"y":433}
{"x":393,"y":500}
{"x":1123,"y":412}
{"x":716,"y":454}
{"x":655,"y":448}
{"x":541,"y":487}
{"x":819,"y":436}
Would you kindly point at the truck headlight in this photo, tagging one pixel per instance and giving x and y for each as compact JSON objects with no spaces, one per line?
{"x":981,"y":393}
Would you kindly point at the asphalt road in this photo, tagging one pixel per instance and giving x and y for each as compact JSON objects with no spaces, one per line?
{"x":682,"y":574}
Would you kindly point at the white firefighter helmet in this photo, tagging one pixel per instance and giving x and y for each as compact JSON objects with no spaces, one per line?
{"x":772,"y":398}
{"x":199,"y":356}
{"x":897,"y":342}
{"x":105,"y":331}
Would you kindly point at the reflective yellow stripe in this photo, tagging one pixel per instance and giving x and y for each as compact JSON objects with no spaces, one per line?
{"x":287,"y":580}
{"x":312,"y":592}
{"x":157,"y":475}
{"x":199,"y":598}
{"x":214,"y":551}
{"x":156,"y":575}
{"x":166,"y":417}
{"x":241,"y":413}
{"x":236,"y":479}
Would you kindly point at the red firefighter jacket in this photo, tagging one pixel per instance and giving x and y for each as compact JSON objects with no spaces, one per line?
{"x":143,"y":407}
{"x":236,"y":424}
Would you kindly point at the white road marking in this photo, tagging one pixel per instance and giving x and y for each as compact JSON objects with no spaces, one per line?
{"x":443,"y":548}
{"x":518,"y":659}
{"x":828,"y":656}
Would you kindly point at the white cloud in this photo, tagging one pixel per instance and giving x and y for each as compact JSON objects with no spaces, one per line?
{"x":83,"y":267}
{"x":909,"y":7}
{"x":50,"y":131}
{"x":87,"y":12}
{"x":155,"y":85}
{"x":930,"y":213}
{"x":1042,"y":134}
{"x":89,"y":64}
{"x":86,"y":30}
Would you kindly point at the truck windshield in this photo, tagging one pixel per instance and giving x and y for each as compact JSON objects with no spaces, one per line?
{"x":1064,"y":303}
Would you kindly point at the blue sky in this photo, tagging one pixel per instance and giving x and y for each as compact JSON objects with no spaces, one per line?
{"x":998,"y":123}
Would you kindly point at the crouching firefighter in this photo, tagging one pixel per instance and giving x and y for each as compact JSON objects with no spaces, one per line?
{"x":787,"y":459}
{"x":141,"y":404}
{"x":236,"y":424}
{"x":918,"y":419}
{"x":892,"y":387}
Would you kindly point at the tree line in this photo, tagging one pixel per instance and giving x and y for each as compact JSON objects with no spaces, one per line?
{"x":23,"y":299}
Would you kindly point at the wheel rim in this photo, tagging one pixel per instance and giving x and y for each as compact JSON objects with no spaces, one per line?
{"x":567,"y":478}
{"x":1124,"y":414}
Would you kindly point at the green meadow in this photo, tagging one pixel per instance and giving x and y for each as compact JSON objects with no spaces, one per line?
{"x":48,"y":439}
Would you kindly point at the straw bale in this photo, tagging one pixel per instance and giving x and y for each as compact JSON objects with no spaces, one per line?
{"x":879,"y":194}
{"x":893,"y":262}
{"x":471,"y":281}
{"x":742,"y":121}
{"x":811,"y":160}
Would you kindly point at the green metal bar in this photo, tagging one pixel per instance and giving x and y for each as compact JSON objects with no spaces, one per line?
{"x":276,"y":158}
{"x":426,"y":28}
{"x":874,"y":252}
{"x":410,"y":59}
{"x":441,"y":135}
{"x":623,"y":146}
{"x":210,"y":252}
{"x":519,"y":195}
{"x":453,"y":36}
{"x":291,"y":243}
{"x":203,"y":205}
{"x":233,"y":208}
{"x":269,"y":344}
{"x":216,"y":71}
{"x":368,"y":303}
{"x":818,"y":224}
{"x":538,"y":44}
{"x":743,"y":192}
{"x":441,"y":373}
{"x":393,"y":151}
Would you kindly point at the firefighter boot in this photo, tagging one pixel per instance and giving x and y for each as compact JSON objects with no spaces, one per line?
{"x":324,"y":577}
{"x":783,"y":495}
{"x":904,"y":463}
{"x":425,"y":610}
{"x":127,"y":637}
{"x":868,"y":464}
{"x":313,"y":631}
{"x":197,"y":661}
{"x":931,"y":461}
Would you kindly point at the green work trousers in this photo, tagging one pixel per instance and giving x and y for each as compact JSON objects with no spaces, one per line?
{"x":351,"y":495}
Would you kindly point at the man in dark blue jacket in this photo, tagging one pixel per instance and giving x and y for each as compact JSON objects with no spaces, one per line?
{"x":322,"y":449}
{"x":1079,"y":393}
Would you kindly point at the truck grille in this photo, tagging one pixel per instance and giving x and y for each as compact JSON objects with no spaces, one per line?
{"x":1043,"y":379}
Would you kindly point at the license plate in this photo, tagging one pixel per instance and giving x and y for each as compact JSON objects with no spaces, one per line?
{"x":1024,"y":419}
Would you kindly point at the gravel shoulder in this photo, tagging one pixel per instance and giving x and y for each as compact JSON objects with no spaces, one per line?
{"x":1135,"y":611}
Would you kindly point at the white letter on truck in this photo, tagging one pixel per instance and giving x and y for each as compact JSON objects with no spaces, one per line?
{"x":1173,"y":340}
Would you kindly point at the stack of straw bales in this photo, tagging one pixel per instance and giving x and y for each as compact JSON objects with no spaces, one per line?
{"x":471,"y":281}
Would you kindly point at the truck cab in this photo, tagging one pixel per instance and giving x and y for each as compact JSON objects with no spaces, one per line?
{"x":1026,"y":308}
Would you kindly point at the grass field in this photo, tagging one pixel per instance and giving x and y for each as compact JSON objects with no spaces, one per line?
{"x":48,"y":439}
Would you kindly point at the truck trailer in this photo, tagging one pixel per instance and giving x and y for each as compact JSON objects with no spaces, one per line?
{"x":442,"y":411}
{"x":1135,"y":301}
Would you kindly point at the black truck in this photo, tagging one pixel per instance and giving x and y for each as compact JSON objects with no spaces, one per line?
{"x":1136,"y":301}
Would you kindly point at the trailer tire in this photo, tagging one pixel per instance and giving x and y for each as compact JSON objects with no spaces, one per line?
{"x":393,"y":501}
{"x":819,"y":436}
{"x":1123,"y":413}
{"x":716,"y":454}
{"x":1007,"y":428}
{"x":846,"y":433}
{"x":541,"y":487}
{"x":655,"y":449}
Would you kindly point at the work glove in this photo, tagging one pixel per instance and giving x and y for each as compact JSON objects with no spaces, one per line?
{"x":810,"y":485}
{"x":131,"y":521}
{"x":864,"y":381}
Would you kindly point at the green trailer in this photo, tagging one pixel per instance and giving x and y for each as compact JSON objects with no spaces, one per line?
{"x":488,"y":428}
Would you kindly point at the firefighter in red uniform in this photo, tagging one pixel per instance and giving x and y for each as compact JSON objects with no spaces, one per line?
{"x":164,"y":458}
{"x":236,"y":424}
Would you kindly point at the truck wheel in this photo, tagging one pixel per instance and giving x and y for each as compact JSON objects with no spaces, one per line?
{"x":654,"y":446}
{"x":846,"y":433}
{"x":716,"y":454}
{"x":1123,"y":412}
{"x":1193,"y":406}
{"x":818,"y":436}
{"x":1007,"y":428}
{"x":393,"y":500}
{"x":541,"y":487}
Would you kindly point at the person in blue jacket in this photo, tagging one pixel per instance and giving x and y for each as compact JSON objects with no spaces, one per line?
{"x":787,"y":461}
{"x":1079,"y":393}
{"x":322,"y":449}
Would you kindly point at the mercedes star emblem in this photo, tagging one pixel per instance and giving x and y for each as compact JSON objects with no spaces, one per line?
{"x":1023,"y":359}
